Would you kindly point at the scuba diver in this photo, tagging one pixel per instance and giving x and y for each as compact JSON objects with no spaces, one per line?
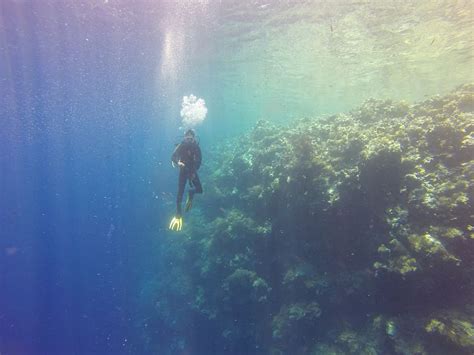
{"x":187,"y":157}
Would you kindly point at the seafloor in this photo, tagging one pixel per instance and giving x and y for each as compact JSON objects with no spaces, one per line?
{"x":348,"y":234}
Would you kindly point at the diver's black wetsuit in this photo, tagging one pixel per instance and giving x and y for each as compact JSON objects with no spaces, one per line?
{"x":189,"y":153}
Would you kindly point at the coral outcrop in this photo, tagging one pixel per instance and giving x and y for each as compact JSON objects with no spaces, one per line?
{"x":347,"y":234}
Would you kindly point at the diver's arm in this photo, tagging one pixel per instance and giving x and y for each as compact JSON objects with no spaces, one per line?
{"x":176,"y":154}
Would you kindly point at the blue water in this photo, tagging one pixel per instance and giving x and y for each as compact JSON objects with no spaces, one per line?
{"x":82,"y":167}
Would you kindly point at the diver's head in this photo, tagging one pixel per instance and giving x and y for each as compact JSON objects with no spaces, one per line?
{"x":189,"y":135}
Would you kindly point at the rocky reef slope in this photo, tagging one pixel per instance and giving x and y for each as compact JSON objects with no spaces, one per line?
{"x":348,"y":234}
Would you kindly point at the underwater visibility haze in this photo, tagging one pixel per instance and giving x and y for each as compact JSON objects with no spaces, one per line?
{"x":337,"y":143}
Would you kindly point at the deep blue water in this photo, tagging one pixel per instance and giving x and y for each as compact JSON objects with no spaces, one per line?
{"x":82,"y":171}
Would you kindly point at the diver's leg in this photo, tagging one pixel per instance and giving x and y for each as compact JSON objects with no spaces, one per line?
{"x":197,"y":189}
{"x":197,"y":184}
{"x":181,"y":184}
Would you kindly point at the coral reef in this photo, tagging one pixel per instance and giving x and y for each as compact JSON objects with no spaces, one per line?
{"x":460,"y":332}
{"x":347,"y":234}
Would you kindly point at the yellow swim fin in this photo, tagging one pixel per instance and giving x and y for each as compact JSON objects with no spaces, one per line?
{"x":176,"y":223}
